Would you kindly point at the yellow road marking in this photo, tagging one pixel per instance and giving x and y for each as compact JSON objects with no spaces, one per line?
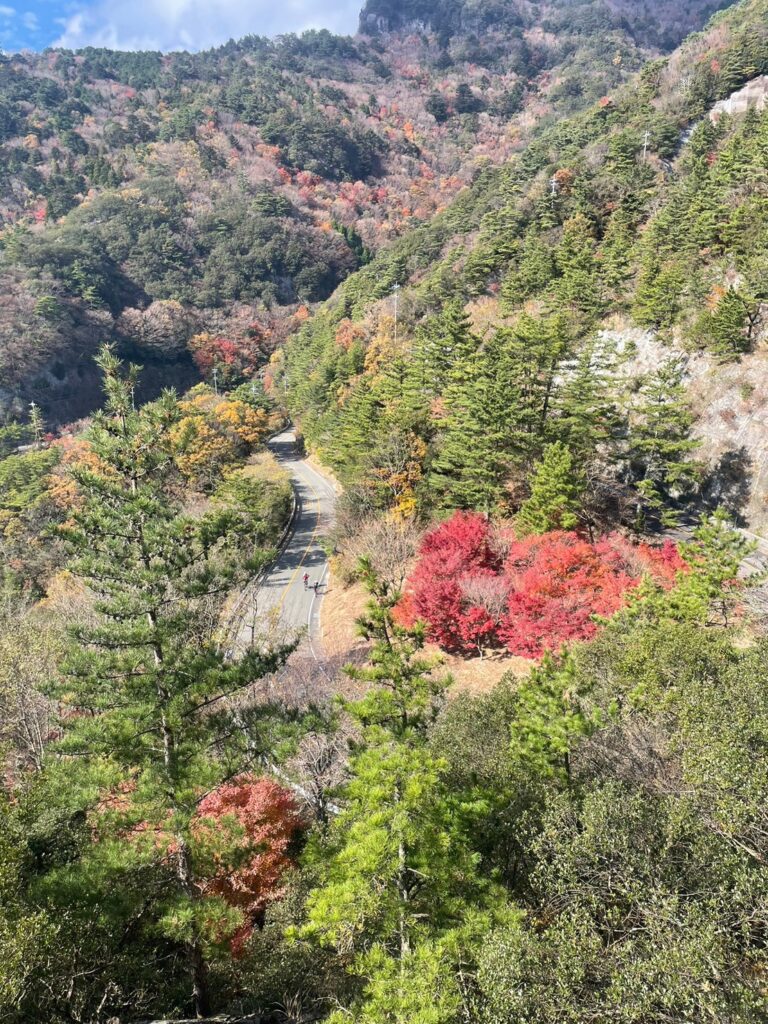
{"x":290,"y":582}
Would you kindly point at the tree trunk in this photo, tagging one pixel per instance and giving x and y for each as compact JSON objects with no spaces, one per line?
{"x":198,"y":970}
{"x":405,"y":942}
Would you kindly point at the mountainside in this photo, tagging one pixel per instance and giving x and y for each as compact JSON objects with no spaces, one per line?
{"x":663,"y":23}
{"x":472,"y":729}
{"x":618,"y":261}
{"x":196,"y":203}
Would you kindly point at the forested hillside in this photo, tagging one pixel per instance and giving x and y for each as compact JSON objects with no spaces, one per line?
{"x":195,"y":204}
{"x":564,"y":303}
{"x":504,"y":267}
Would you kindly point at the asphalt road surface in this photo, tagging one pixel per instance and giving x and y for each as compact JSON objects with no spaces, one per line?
{"x":282,"y":606}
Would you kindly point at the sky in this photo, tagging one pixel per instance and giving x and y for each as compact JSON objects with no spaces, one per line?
{"x":163,"y":24}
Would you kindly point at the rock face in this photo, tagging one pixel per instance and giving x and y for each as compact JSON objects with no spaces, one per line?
{"x":754,"y":94}
{"x":730,"y":405}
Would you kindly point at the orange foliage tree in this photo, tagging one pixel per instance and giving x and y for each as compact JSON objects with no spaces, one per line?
{"x":248,"y":829}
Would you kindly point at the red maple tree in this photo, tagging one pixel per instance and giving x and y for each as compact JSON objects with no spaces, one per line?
{"x":251,"y":823}
{"x":449,"y":556}
{"x":546,"y":590}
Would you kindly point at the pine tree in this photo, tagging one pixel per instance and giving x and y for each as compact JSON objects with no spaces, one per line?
{"x":657,"y":300}
{"x":359,"y":419}
{"x":556,"y":492}
{"x":586,"y":416}
{"x":709,"y":588}
{"x":533,"y":273}
{"x":532,"y":356}
{"x":714,"y":556}
{"x":729,"y":324}
{"x":398,"y":865}
{"x":579,"y":286}
{"x":147,"y":681}
{"x":398,"y":387}
{"x":498,"y":407}
{"x":623,"y":149}
{"x":36,"y":422}
{"x":617,"y":249}
{"x":472,"y":461}
{"x":549,"y":719}
{"x":443,"y":342}
{"x":660,"y":443}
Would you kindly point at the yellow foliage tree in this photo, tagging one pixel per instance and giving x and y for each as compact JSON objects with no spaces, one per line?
{"x":202,"y":451}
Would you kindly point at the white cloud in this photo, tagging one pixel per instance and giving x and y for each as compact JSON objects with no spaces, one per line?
{"x":29,"y":21}
{"x":198,"y":24}
{"x":7,"y":12}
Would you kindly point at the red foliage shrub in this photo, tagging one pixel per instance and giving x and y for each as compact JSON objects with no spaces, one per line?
{"x":234,"y":358}
{"x":559,"y":582}
{"x":547,"y":591}
{"x":264,"y":821}
{"x":449,"y":555}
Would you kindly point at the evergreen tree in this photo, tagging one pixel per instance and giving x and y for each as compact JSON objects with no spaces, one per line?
{"x":707,"y":593}
{"x":556,"y":493}
{"x":660,"y":443}
{"x":359,"y":419}
{"x":729,"y":324}
{"x":532,"y":354}
{"x":147,"y":680}
{"x":587,"y":417}
{"x":533,"y":273}
{"x":623,"y":149}
{"x":443,"y":342}
{"x":617,"y":249}
{"x":399,"y":388}
{"x":657,"y":300}
{"x":579,"y":287}
{"x":497,"y":411}
{"x":398,"y":866}
{"x":36,"y":422}
{"x":472,"y":460}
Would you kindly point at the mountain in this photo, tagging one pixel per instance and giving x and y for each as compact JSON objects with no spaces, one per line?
{"x":195,"y":204}
{"x":504,"y":265}
{"x":653,"y":22}
{"x":622,"y":253}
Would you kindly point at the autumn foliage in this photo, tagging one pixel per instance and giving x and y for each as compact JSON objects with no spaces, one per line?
{"x":253,"y":823}
{"x":214,"y":433}
{"x":476,"y":589}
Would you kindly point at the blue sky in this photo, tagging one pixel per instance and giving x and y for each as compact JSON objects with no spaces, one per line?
{"x":162,"y":24}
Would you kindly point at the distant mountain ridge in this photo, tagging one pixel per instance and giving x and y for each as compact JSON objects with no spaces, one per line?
{"x":652,"y":22}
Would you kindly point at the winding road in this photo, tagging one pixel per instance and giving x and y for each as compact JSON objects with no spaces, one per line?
{"x":281,"y":605}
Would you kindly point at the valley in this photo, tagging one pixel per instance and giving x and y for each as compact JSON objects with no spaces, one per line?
{"x":383,"y":509}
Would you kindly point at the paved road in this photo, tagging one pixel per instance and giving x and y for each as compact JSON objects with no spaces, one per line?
{"x":283,"y":607}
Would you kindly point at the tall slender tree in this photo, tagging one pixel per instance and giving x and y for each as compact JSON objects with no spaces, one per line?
{"x":399,"y":860}
{"x":148,"y":680}
{"x":661,"y":446}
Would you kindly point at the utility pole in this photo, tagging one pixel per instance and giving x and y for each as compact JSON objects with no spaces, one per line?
{"x":216,"y":380}
{"x":396,"y":291}
{"x":646,"y":140}
{"x":553,"y":189}
{"x":36,"y":422}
